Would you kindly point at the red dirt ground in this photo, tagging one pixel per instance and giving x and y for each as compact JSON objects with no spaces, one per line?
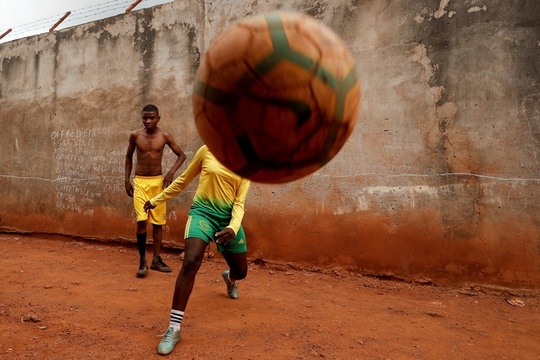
{"x":71,"y":299}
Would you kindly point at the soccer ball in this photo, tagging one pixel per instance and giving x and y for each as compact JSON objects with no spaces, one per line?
{"x":276,"y":96}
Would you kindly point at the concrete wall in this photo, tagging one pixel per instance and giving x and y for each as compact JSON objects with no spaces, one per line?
{"x":439,"y":180}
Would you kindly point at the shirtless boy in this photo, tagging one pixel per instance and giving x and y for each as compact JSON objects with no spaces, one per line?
{"x":150,"y":143}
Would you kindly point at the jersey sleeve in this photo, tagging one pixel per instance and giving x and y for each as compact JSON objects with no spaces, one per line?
{"x":238,"y":206}
{"x":180,"y":183}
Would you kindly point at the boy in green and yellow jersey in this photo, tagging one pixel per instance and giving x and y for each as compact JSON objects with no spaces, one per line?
{"x":216,"y":215}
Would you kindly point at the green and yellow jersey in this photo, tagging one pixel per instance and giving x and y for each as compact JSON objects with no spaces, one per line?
{"x":220,"y":191}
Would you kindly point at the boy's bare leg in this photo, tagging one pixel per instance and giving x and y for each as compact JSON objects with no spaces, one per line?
{"x":193,"y":256}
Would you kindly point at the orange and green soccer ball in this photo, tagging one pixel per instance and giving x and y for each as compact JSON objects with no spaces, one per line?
{"x":276,"y":96}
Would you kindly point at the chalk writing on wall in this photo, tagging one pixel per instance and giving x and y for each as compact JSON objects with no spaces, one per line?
{"x":88,"y":170}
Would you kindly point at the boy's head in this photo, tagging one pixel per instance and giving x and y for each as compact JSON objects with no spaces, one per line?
{"x":150,"y":108}
{"x":150,"y":117}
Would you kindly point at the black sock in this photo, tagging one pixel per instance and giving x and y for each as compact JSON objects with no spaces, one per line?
{"x":141,"y":244}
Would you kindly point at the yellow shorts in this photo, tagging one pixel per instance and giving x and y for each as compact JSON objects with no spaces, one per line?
{"x":145,"y":188}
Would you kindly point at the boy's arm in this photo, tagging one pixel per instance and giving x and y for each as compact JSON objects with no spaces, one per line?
{"x":129,"y":164}
{"x":181,"y":157}
{"x":180,"y":183}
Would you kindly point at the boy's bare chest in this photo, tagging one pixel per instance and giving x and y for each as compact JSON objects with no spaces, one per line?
{"x":150,"y":144}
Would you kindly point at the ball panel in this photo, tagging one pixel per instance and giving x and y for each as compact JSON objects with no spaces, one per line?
{"x":225,"y":151}
{"x":288,"y":125}
{"x":334,"y":70}
{"x":325,"y":47}
{"x":284,"y":75}
{"x":232,"y":55}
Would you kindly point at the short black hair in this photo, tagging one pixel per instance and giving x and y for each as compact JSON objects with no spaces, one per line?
{"x":150,"y":107}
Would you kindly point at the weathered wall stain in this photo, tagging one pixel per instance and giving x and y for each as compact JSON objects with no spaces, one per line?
{"x":439,"y":179}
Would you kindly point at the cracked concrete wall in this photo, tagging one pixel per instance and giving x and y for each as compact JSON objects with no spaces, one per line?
{"x":439,"y":180}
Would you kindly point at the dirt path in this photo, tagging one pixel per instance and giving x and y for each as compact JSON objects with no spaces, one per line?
{"x":67,"y":299}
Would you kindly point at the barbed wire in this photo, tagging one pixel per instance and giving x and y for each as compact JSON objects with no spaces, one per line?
{"x":48,"y":20}
{"x":77,"y":16}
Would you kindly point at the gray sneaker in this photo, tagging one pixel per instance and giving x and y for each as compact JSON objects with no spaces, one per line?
{"x":143,"y":268}
{"x":159,"y":265}
{"x":232,"y":289}
{"x":167,"y":344}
